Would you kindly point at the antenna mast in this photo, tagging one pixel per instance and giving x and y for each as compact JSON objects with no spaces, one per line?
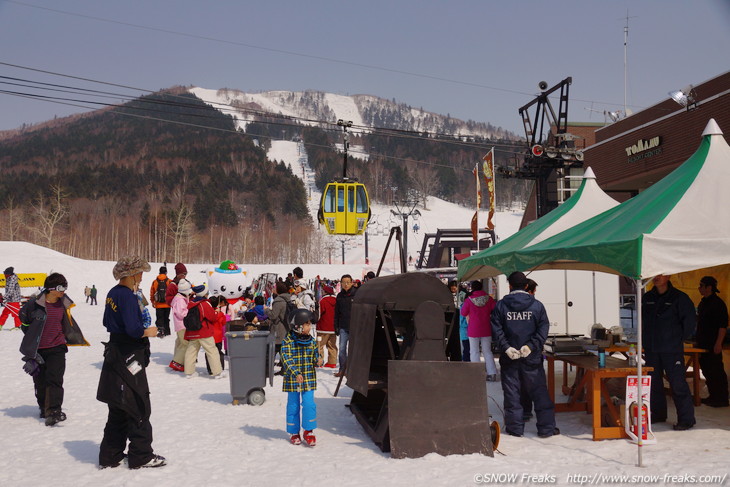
{"x":626,"y":52}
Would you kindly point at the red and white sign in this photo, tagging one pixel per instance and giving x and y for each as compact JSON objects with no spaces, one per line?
{"x":537,"y":150}
{"x":631,"y":416}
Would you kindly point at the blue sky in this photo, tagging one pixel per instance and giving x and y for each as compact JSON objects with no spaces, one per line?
{"x":478,"y":60}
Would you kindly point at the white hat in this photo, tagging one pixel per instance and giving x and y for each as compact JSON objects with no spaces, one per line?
{"x":184,"y":287}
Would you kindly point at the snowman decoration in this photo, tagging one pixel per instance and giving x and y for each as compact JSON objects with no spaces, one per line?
{"x":228,"y":281}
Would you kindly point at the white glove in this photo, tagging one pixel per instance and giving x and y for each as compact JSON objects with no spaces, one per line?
{"x":525,"y":351}
{"x":513,"y":353}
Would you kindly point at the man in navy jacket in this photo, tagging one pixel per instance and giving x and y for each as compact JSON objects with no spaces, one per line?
{"x":668,"y":318}
{"x":520,"y":327}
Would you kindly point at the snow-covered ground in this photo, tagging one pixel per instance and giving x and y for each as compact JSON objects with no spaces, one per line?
{"x":209,"y":441}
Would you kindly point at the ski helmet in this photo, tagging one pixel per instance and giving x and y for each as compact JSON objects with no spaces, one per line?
{"x":298,"y":318}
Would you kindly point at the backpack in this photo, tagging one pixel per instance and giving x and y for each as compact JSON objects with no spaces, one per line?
{"x":192,"y":320}
{"x":315,"y":312}
{"x":291,"y":307}
{"x":161,"y":291}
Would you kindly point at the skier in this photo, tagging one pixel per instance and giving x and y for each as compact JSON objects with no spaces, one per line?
{"x":299,"y":356}
{"x":12,"y":298}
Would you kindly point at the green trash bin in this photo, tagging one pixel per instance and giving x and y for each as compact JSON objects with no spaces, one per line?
{"x":251,"y":362}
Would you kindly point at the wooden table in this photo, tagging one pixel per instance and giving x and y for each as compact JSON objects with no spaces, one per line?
{"x":691,"y":358}
{"x":589,"y":388}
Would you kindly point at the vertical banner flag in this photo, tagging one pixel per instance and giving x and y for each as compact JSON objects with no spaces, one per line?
{"x":475,"y":218}
{"x":489,"y":182}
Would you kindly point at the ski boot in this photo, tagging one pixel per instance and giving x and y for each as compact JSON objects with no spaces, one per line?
{"x":310,"y":438}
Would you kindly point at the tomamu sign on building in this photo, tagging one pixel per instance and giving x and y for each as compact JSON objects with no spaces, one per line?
{"x":644,"y":148}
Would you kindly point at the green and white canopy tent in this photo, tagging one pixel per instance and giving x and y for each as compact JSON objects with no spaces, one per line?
{"x":679,"y":224}
{"x":588,"y":201}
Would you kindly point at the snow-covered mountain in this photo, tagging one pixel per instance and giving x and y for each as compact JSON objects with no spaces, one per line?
{"x":362,"y":110}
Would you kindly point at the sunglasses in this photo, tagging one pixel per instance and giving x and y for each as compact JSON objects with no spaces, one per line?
{"x":59,"y":288}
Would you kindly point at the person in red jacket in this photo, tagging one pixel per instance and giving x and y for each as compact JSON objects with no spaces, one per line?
{"x":181,"y":272}
{"x":219,"y":329}
{"x":202,"y":337}
{"x":326,"y":326}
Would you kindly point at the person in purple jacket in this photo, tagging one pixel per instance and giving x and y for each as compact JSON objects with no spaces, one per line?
{"x":477,"y":308}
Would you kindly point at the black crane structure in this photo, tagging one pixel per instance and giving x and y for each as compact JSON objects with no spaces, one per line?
{"x":549,"y":152}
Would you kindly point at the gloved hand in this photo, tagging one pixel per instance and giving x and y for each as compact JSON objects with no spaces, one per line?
{"x":525,"y":351}
{"x":513,"y":353}
{"x":31,"y":367}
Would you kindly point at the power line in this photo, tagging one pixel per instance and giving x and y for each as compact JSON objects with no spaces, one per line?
{"x":227,"y":107}
{"x":268,"y":49}
{"x":218,"y":129}
{"x":292,"y":53}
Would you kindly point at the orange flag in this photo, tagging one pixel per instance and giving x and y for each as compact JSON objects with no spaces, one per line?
{"x":474,"y":226}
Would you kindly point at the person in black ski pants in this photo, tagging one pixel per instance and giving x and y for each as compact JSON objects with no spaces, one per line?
{"x":668,"y":318}
{"x":123,"y":382}
{"x":520,"y":327}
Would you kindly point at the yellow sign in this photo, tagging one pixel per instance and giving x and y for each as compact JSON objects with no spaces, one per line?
{"x":27,"y":280}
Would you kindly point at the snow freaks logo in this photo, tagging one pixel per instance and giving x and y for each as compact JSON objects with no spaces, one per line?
{"x":514,"y":478}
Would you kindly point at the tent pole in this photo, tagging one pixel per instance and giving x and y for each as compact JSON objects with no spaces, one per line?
{"x":639,"y":366}
{"x":565,"y":283}
{"x":595,"y":314}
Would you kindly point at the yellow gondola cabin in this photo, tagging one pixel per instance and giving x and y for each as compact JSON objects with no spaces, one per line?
{"x":345,"y":208}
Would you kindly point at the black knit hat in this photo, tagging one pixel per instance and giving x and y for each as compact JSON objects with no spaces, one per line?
{"x":9,"y":270}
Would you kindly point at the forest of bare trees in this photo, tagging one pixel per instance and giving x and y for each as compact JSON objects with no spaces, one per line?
{"x":166,"y":237}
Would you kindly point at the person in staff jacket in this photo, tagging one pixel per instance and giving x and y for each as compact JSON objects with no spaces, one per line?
{"x":668,"y":317}
{"x":48,"y":328}
{"x":520,"y":327}
{"x":123,"y":382}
